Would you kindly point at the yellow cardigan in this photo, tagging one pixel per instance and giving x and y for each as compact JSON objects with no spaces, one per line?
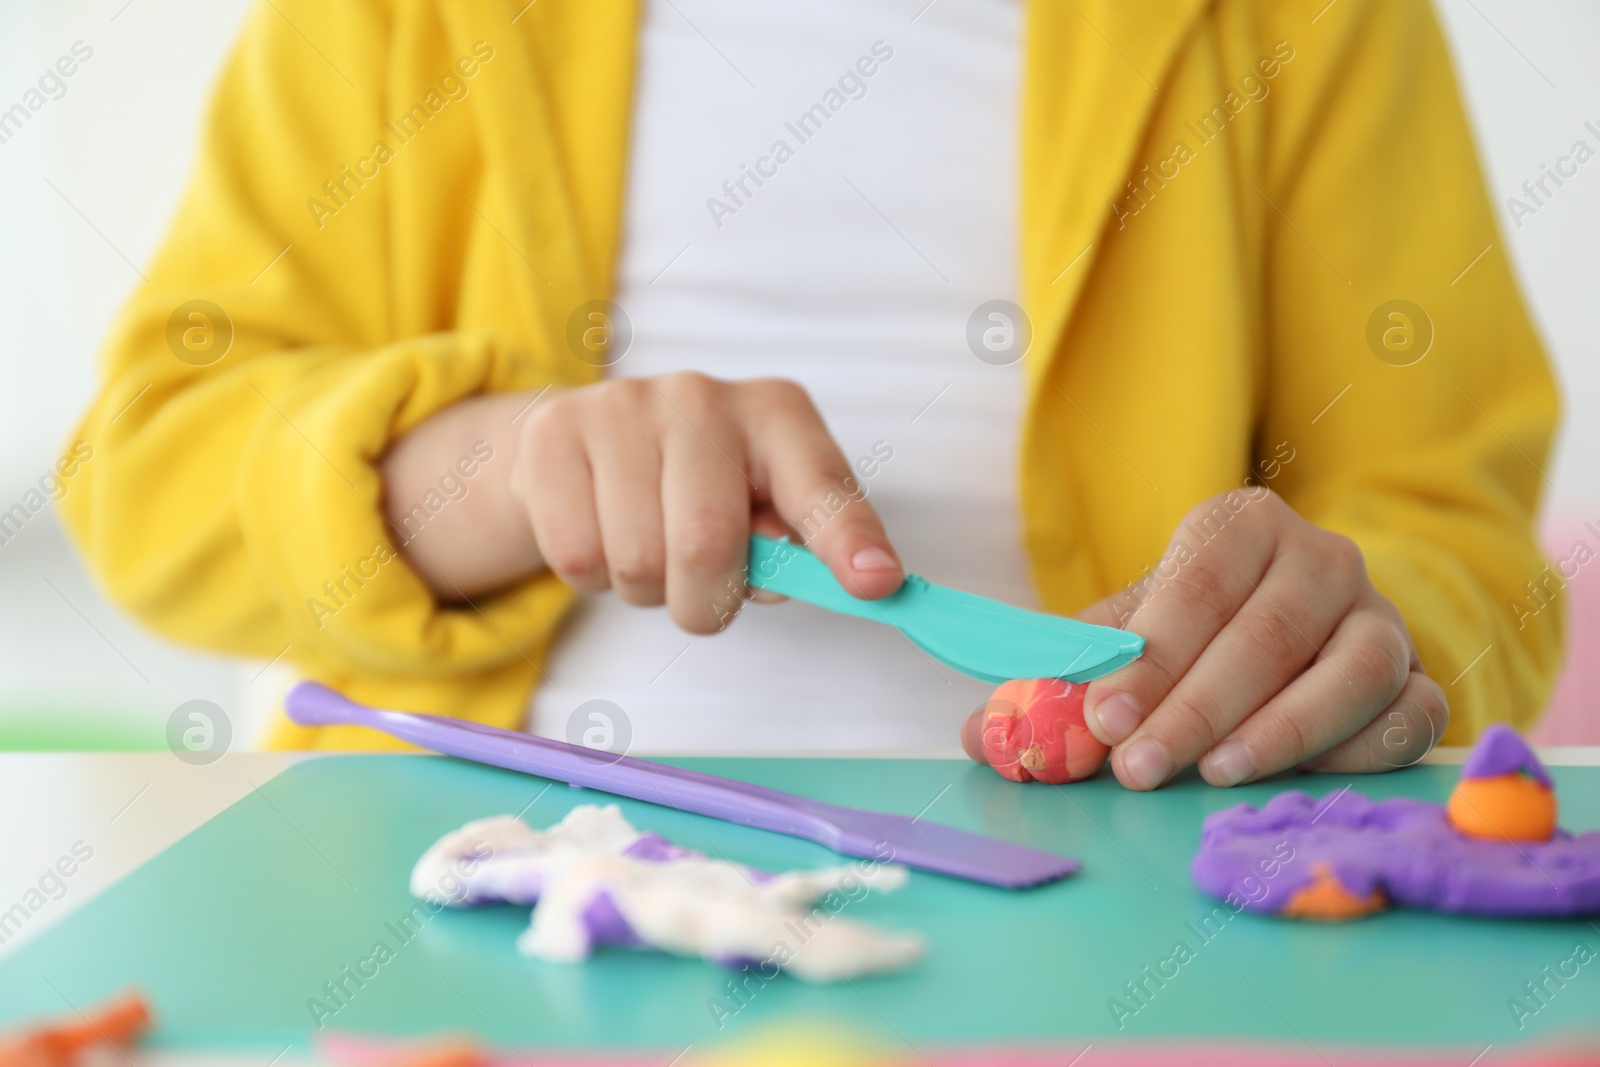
{"x":398,"y":205}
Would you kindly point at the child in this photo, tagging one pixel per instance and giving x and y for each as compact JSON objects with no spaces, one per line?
{"x":449,"y":327}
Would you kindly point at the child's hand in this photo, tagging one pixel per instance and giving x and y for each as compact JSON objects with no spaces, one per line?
{"x":1268,"y":648}
{"x":649,"y":486}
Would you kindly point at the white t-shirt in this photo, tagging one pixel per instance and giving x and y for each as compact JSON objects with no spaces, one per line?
{"x":824,"y":190}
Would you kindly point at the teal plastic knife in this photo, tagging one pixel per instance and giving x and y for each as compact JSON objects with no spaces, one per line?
{"x":989,"y":640}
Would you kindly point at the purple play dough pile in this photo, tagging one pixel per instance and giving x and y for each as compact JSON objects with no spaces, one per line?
{"x":1501,"y":750}
{"x":1406,"y":848}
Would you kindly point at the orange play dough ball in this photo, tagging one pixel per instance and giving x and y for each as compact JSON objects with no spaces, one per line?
{"x":1506,"y":807}
{"x":1033,"y":730}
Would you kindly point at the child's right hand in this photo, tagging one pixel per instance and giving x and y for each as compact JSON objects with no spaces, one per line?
{"x":648,"y":486}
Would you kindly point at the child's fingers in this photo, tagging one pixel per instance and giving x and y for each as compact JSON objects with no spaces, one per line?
{"x":1407,"y":730}
{"x":972,"y":736}
{"x":557,"y":488}
{"x":705,"y":501}
{"x":1362,"y":670}
{"x":1259,"y":651}
{"x":1102,"y":612}
{"x":626,"y":459}
{"x":814,"y":491}
{"x":1178,"y":620}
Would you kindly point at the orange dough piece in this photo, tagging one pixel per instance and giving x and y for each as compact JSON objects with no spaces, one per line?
{"x":119,"y":1023}
{"x":1325,"y":899}
{"x":1033,"y":730}
{"x":1506,"y":807}
{"x":453,"y":1055}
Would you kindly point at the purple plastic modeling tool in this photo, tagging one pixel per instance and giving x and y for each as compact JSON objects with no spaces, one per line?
{"x":870,"y":835}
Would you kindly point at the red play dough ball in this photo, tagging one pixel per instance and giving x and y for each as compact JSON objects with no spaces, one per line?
{"x":1033,"y":730}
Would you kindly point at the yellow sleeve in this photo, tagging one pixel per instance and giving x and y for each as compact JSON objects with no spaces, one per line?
{"x":268,"y":359}
{"x":1420,"y":429}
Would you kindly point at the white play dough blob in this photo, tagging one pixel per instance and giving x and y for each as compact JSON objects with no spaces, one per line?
{"x":686,"y":904}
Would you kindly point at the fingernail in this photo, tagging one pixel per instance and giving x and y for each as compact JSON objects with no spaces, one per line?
{"x":1118,"y":716}
{"x":873,"y":558}
{"x":1230,"y":763}
{"x":1146,"y":764}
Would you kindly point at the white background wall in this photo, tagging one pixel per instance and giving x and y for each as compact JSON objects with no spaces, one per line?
{"x":116,"y":148}
{"x":87,"y":187}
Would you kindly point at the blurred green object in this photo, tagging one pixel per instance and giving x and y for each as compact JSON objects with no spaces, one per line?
{"x":44,"y":726}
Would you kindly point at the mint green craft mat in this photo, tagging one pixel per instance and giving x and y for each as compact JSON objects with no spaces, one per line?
{"x":232,"y":929}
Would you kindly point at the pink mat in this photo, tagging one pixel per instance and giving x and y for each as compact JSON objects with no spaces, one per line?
{"x":1573,"y":717}
{"x":361,"y":1052}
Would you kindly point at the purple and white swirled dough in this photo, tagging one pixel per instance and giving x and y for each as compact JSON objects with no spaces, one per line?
{"x":592,"y":880}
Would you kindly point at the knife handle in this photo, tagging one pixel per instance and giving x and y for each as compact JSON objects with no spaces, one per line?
{"x":790,"y":569}
{"x":311,"y":704}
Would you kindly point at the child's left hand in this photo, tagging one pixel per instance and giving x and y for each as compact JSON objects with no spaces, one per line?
{"x":1268,"y":648}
